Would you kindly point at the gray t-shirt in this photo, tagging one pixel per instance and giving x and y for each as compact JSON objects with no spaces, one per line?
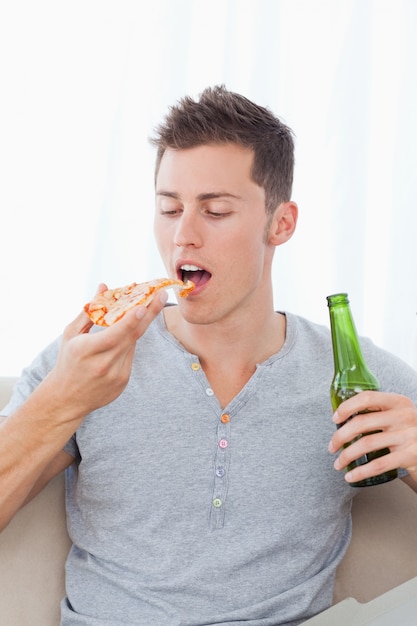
{"x":184,"y":514}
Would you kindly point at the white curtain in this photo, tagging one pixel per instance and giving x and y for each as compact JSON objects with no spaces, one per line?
{"x":84,"y":83}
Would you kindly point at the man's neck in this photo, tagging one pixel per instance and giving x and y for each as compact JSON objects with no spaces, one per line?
{"x":229,"y":351}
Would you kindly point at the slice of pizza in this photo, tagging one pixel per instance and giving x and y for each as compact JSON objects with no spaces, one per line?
{"x":109,"y":306}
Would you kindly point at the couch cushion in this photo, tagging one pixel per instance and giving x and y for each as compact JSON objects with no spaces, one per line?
{"x":33,"y":549}
{"x":383,"y":551}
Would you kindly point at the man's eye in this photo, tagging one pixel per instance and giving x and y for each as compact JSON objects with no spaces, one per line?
{"x":169,"y":212}
{"x":218,"y":214}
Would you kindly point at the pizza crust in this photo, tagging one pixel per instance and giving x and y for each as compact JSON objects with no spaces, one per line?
{"x":109,"y":306}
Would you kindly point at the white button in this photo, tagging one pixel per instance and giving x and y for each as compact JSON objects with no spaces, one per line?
{"x":209,"y":391}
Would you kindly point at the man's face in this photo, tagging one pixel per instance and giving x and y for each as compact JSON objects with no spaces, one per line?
{"x":210,"y":227}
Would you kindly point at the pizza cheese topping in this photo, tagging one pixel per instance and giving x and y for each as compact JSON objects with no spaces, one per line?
{"x":109,"y":306}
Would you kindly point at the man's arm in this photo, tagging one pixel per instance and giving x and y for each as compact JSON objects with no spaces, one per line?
{"x":30,"y":455}
{"x":91,"y":371}
{"x":55,"y":467}
{"x":52,"y":469}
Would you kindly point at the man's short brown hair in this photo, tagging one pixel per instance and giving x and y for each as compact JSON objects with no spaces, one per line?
{"x":221,"y":116}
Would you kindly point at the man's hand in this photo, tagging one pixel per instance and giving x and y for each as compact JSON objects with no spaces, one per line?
{"x":392,"y":414}
{"x":93,"y":369}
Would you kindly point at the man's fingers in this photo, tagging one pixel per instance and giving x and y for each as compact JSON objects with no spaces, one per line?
{"x":131,"y":326}
{"x":137,"y":320}
{"x":80,"y":325}
{"x":101,"y":287}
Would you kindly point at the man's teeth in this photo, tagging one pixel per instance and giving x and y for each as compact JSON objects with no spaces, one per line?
{"x":190,"y":268}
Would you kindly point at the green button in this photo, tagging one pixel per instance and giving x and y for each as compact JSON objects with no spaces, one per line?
{"x":217,"y":503}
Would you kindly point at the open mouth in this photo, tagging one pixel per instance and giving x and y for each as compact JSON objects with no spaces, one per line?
{"x":198,"y":275}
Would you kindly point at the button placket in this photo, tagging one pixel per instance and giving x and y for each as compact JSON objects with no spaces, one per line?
{"x":223,"y":443}
{"x":221,"y":466}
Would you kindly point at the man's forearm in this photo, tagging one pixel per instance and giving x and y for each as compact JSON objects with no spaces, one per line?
{"x":31,"y":448}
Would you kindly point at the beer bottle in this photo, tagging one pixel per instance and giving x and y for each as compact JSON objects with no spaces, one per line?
{"x":351,"y":375}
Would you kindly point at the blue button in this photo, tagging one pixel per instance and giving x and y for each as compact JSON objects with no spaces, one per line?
{"x":220,"y":472}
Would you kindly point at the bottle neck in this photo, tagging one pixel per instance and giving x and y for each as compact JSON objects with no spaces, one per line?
{"x":346,"y":349}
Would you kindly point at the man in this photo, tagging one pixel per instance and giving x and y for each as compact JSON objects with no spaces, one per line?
{"x":195,"y":437}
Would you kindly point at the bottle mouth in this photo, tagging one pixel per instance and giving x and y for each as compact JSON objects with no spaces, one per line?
{"x":337,"y":298}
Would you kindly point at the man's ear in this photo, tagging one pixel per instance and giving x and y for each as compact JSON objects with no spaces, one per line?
{"x":283,"y":223}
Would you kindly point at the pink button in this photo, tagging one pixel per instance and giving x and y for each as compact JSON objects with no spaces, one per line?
{"x":223,"y":443}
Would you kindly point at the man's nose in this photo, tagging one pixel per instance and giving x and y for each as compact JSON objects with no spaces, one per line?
{"x":188,"y":231}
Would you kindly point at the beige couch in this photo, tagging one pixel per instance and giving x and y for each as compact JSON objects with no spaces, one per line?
{"x":383,"y":552}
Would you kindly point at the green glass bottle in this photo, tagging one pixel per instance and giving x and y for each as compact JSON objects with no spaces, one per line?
{"x":351,"y":375}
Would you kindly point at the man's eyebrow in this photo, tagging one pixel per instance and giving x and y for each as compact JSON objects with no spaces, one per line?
{"x":214,"y":195}
{"x":211,"y":195}
{"x":167,"y":194}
